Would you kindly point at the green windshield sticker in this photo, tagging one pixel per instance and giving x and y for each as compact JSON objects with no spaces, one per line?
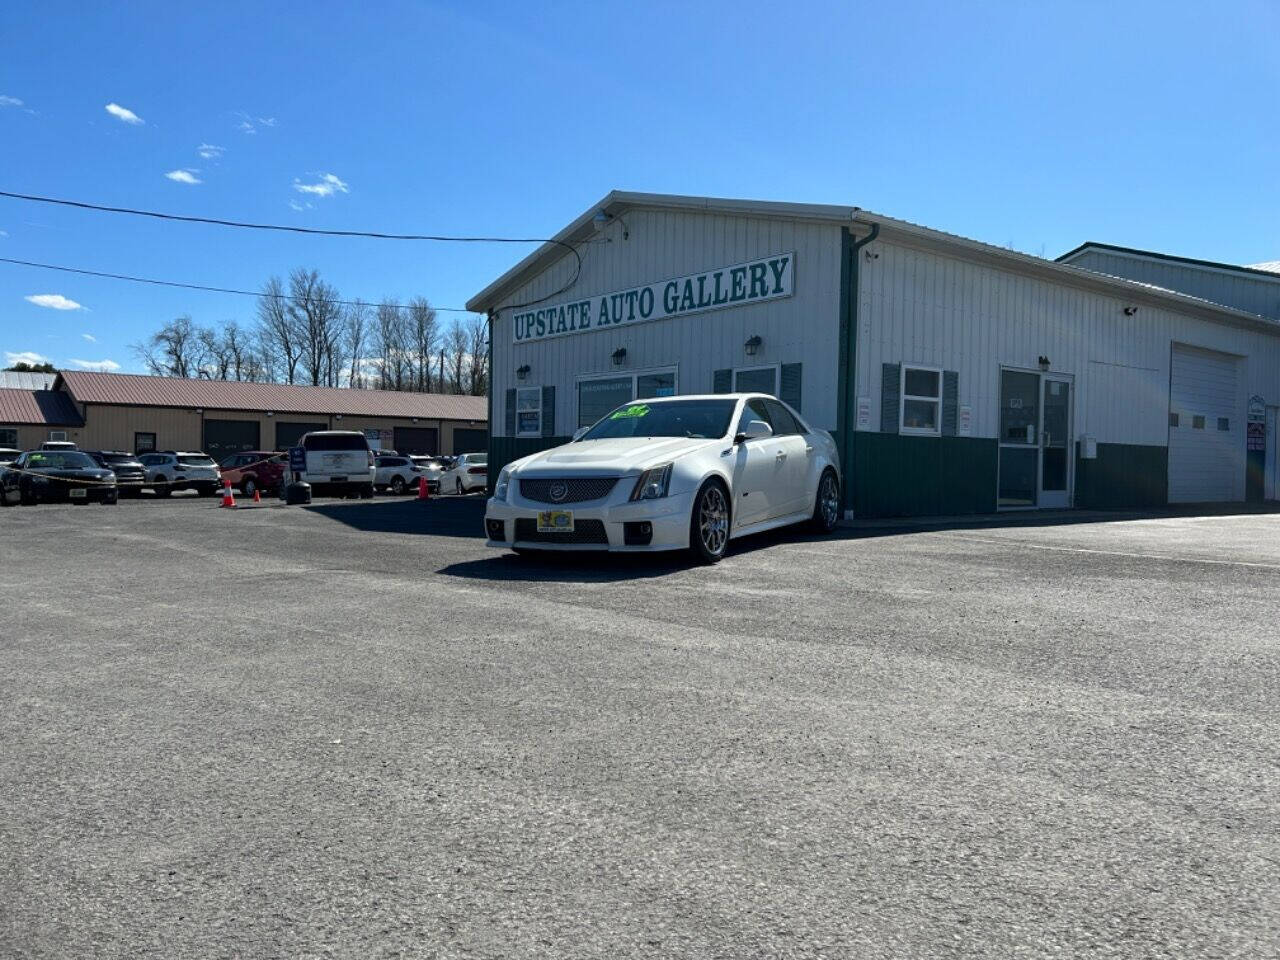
{"x":635,"y":410}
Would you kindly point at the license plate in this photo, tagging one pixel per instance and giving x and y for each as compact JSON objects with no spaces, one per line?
{"x":78,"y":492}
{"x":555,"y":521}
{"x":338,"y":479}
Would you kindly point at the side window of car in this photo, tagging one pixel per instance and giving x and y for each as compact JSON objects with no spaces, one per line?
{"x":784,"y":424}
{"x":754,"y":410}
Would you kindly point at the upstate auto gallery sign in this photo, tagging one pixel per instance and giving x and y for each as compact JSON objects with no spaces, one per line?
{"x":755,"y":281}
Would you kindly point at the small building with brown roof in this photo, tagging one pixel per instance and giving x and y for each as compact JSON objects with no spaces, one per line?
{"x":114,"y":411}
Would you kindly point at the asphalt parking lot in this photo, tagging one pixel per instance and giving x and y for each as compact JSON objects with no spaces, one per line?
{"x":350,"y":730}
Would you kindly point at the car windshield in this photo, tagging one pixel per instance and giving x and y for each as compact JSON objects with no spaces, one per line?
{"x":60,"y":460}
{"x":196,"y":460}
{"x":671,"y":418}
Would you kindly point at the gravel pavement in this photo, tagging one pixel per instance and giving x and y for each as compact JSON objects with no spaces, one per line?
{"x":352,"y":731}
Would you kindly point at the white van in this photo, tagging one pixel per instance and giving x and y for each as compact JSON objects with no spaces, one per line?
{"x":338,"y":461}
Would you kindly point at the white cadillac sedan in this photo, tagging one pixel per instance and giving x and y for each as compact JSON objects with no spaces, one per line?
{"x":670,"y":474}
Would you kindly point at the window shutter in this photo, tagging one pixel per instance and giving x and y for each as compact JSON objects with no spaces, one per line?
{"x":548,"y":411}
{"x":722,"y":381}
{"x":789,"y":390}
{"x":511,"y":412}
{"x":950,"y":395}
{"x":890,"y":391}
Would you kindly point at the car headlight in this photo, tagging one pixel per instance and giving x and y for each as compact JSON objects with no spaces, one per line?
{"x":500,"y":488}
{"x":653,"y":483}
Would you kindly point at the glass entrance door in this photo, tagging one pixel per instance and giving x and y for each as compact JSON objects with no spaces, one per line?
{"x":1035,"y":440}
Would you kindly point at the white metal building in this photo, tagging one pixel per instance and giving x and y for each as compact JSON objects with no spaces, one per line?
{"x":957,"y":377}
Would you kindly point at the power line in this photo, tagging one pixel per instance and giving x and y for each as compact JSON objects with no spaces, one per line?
{"x":283,"y":228}
{"x":197,"y":286}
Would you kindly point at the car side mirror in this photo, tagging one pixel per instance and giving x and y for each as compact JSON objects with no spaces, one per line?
{"x":580,"y":433}
{"x":754,"y":430}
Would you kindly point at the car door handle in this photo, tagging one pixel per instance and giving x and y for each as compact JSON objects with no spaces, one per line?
{"x":781,"y":457}
{"x":808,"y":449}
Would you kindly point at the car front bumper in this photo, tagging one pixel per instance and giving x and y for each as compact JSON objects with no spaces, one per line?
{"x":597,"y":526}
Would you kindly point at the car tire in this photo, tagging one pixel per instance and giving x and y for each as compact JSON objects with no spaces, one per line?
{"x":397,"y":486}
{"x":826,"y":503}
{"x":25,"y":498}
{"x":206,"y":491}
{"x":248,"y":486}
{"x":709,"y":523}
{"x":162,"y":487}
{"x":366,"y":492}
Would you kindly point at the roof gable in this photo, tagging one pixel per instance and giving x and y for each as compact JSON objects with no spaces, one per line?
{"x":50,"y":407}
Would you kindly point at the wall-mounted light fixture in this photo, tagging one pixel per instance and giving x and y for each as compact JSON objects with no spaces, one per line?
{"x":522,"y":371}
{"x":271,"y":413}
{"x":752,"y":346}
{"x":415,"y":419}
{"x":1130,"y":311}
{"x":620,"y":356}
{"x":338,"y":417}
{"x":1044,"y":363}
{"x":199,"y":409}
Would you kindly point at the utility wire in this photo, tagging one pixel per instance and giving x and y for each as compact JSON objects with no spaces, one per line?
{"x":196,"y":286}
{"x":370,"y":234}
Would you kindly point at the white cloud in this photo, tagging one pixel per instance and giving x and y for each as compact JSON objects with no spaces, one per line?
{"x":246,"y":127}
{"x":54,"y":301}
{"x":121,"y":113}
{"x":90,"y":337}
{"x":9,"y":101}
{"x":4,"y":233}
{"x":102,"y":366}
{"x":209,"y":151}
{"x":326,"y":186}
{"x":184,"y":176}
{"x":300,"y":205}
{"x":267,"y":121}
{"x":27,"y":356}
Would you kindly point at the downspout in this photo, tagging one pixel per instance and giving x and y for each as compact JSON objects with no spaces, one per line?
{"x":848,"y":355}
{"x":493,"y":477}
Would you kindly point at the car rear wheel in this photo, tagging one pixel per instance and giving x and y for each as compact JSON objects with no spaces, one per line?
{"x":249,"y":486}
{"x":162,"y":487}
{"x":366,"y":492}
{"x":826,"y":505}
{"x":709,"y":523}
{"x":397,"y":486}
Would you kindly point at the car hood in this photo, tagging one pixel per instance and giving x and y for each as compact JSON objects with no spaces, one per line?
{"x":82,"y":473}
{"x":616,"y":456}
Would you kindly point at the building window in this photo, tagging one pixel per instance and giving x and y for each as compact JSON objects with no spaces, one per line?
{"x":144,"y":442}
{"x":529,"y":412}
{"x":9,"y":437}
{"x":1173,"y":419}
{"x":1224,"y":423}
{"x":921,"y":400}
{"x":60,"y":435}
{"x":1197,"y":422}
{"x":756,"y":380}
{"x":599,"y":395}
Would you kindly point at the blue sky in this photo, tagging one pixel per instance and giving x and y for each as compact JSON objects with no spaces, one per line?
{"x":1034,"y":125}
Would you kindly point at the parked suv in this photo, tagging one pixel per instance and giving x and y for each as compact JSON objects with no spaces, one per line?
{"x":339,"y":461}
{"x":254,"y":470}
{"x":130,"y":474}
{"x":395,"y":473}
{"x":173,"y":470}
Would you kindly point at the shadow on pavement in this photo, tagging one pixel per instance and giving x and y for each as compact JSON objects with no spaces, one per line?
{"x":437,"y":517}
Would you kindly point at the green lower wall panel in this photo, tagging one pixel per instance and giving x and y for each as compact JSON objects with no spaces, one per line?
{"x":897,"y":476}
{"x":502,"y":450}
{"x":1125,"y":476}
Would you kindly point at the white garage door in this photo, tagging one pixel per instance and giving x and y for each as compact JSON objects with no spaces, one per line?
{"x":1206,"y":427}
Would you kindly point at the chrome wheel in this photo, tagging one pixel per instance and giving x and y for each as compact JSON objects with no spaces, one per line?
{"x":829,"y":500}
{"x":713,"y":520}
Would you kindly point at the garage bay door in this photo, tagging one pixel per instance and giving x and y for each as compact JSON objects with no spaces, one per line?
{"x":470,"y":441}
{"x":225,"y":437}
{"x":289,"y":432}
{"x":1206,"y":427}
{"x":419,"y":440}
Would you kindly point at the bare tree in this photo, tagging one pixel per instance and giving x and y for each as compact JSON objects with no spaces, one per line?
{"x":390,"y":340}
{"x":456,"y":345}
{"x":279,"y":342}
{"x":175,"y":350}
{"x":422,"y":334}
{"x":317,"y":322}
{"x":477,"y":329}
{"x":356,"y":331}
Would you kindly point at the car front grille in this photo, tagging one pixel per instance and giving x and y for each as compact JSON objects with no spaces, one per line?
{"x":575,"y":489}
{"x":584,"y":531}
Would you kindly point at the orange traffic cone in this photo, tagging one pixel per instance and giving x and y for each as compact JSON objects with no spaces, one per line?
{"x":228,"y":500}
{"x":256,"y":497}
{"x":423,"y":492}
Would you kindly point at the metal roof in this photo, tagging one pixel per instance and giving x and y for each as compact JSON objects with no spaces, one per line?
{"x":1267,"y":266}
{"x":26,"y":380}
{"x":1263,"y":271}
{"x":52,"y":407}
{"x":617,"y":202}
{"x":125,"y":389}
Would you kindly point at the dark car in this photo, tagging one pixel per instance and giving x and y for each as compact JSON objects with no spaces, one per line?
{"x":56,"y":475}
{"x":130,"y":474}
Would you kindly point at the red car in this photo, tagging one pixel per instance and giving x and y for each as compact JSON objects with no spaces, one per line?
{"x":252,"y":470}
